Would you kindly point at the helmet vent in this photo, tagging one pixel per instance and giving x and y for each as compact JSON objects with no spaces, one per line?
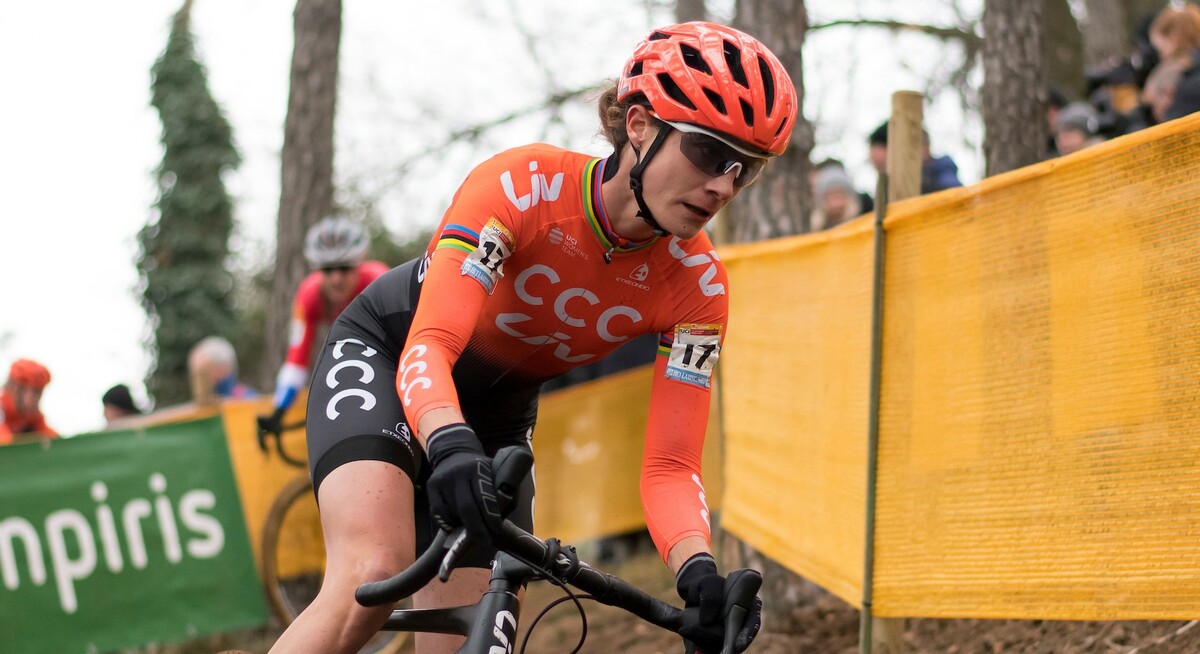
{"x":635,"y":69}
{"x":733,"y":59}
{"x":658,"y":36}
{"x":782,"y":125}
{"x":716,"y":101}
{"x":768,"y":84}
{"x":747,"y":113}
{"x":694,"y":59}
{"x":672,"y":89}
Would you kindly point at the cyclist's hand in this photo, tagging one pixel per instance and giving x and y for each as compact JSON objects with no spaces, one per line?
{"x":272,"y":424}
{"x":703,"y":593}
{"x":461,"y":489}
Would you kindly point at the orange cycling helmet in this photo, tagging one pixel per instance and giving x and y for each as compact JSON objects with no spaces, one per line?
{"x":717,"y":78}
{"x":29,"y":373}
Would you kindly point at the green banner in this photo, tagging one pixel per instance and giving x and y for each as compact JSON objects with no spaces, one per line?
{"x":118,"y":539}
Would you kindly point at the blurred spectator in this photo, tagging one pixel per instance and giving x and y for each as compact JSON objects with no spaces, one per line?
{"x":1175,"y":32}
{"x":118,"y":404}
{"x":937,"y":173}
{"x":1055,"y":102}
{"x":835,"y":200}
{"x":20,"y":416}
{"x":1075,"y":128}
{"x":1185,"y":94}
{"x":212,"y":366}
{"x":865,"y":201}
{"x":1159,"y":94}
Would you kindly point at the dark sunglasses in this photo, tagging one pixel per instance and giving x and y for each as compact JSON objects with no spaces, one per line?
{"x":342,"y":269}
{"x":714,"y":157}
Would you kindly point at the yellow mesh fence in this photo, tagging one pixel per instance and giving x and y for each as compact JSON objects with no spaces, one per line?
{"x":794,"y":373}
{"x":1039,"y":453}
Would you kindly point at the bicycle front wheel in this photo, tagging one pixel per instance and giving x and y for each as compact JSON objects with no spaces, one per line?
{"x":293,"y":560}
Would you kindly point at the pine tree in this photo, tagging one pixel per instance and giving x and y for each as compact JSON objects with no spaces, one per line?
{"x":186,"y":289}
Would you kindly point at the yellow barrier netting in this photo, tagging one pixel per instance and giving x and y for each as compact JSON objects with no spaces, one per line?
{"x":1039,"y":453}
{"x":794,"y":376}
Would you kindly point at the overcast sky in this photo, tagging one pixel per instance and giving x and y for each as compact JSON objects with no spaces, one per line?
{"x":79,"y":140}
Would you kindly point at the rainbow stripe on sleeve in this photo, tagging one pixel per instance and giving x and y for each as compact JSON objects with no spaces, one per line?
{"x":458,"y":237}
{"x":665,"y":341}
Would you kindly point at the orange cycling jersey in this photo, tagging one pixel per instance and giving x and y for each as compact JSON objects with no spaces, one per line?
{"x":525,"y":279}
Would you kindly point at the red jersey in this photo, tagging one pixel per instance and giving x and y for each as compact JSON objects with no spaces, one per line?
{"x":12,"y":422}
{"x":526,"y":277}
{"x":310,"y":310}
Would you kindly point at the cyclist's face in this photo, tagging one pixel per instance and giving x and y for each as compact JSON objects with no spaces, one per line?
{"x":337,"y":283}
{"x":683,"y":196}
{"x":25,"y":398}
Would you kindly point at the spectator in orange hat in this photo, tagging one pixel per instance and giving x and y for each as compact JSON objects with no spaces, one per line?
{"x":19,"y":412}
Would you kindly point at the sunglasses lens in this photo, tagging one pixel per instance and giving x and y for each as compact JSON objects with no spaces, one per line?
{"x":715,"y":158}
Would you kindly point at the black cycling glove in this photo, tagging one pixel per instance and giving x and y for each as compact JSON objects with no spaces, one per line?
{"x":703,"y":594}
{"x":272,"y":424}
{"x":461,"y":489}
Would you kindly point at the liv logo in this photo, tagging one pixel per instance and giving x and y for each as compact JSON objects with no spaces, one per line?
{"x":539,"y":188}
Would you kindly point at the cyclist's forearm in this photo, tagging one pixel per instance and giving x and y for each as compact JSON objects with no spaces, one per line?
{"x":435,"y":419}
{"x":288,"y":382}
{"x":684,"y":550}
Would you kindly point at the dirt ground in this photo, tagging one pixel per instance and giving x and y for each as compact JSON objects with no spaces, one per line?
{"x":826,"y":625}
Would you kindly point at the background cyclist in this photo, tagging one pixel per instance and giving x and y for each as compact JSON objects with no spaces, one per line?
{"x":546,"y":260}
{"x":335,"y":249}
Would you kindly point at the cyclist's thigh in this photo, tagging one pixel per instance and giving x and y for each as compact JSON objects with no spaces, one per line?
{"x":353,"y":411}
{"x":367,"y":519}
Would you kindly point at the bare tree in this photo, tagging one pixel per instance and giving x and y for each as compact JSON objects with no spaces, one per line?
{"x":1062,"y":48}
{"x":780,"y":203}
{"x":1013,"y":113}
{"x":1105,"y":33}
{"x":306,"y":188}
{"x":689,"y":10}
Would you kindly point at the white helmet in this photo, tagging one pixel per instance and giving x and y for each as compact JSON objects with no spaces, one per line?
{"x":335,"y":242}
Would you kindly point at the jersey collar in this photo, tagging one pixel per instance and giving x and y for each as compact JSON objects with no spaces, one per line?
{"x":597,"y":219}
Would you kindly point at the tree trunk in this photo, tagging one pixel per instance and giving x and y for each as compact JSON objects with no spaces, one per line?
{"x":689,"y":10}
{"x":306,"y":182}
{"x":1014,"y":116}
{"x":780,"y":202}
{"x":1062,"y":48}
{"x":1105,"y":34}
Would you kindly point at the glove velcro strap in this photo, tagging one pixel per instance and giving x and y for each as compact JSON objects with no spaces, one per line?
{"x":447,"y":441}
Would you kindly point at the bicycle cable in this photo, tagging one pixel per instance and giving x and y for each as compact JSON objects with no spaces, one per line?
{"x":582,"y":616}
{"x":548,"y":575}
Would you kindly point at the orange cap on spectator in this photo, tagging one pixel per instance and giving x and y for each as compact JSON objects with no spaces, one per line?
{"x":29,"y":373}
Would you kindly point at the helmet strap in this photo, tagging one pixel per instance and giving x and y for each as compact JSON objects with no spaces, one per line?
{"x":635,"y":179}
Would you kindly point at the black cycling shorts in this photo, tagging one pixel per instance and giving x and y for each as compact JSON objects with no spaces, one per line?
{"x":354,"y":413}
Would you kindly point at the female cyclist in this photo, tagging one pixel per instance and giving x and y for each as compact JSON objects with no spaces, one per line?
{"x":545,"y":260}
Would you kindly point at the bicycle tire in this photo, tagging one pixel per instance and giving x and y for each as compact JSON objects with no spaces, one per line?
{"x":290,"y":584}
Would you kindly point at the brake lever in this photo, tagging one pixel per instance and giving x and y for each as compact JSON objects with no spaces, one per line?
{"x":459,"y":542}
{"x":741,"y":591}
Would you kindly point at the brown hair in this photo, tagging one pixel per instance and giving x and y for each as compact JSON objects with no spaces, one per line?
{"x":612,"y":115}
{"x":1181,"y":23}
